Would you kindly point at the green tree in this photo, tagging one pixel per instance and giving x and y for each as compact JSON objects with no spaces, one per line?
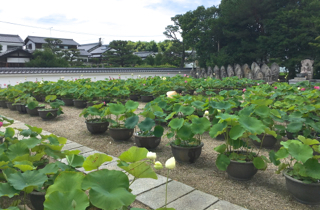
{"x":46,"y":58}
{"x":70,"y":55}
{"x":120,"y":54}
{"x":0,"y":47}
{"x":52,"y":44}
{"x":150,"y":60}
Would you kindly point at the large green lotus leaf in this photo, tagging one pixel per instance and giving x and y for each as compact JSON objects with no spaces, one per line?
{"x":236,"y":144}
{"x":308,"y":141}
{"x":176,"y":107}
{"x":186,"y":110}
{"x":56,"y":154}
{"x":220,"y":105}
{"x":75,"y":160}
{"x":287,"y":143}
{"x":131,"y":105}
{"x":264,"y":102}
{"x":176,"y":123}
{"x":227,"y":117}
{"x":259,"y":163}
{"x":31,"y":142}
{"x":16,"y":150}
{"x":222,"y":162}
{"x":198,"y":104}
{"x":94,"y":161}
{"x":282,"y":153}
{"x":236,"y":132}
{"x":134,"y":154}
{"x":217,"y":129}
{"x":146,"y":124}
{"x":53,"y":139}
{"x":247,"y":111}
{"x":109,"y":190}
{"x":21,"y":181}
{"x":66,"y":181}
{"x":7,"y":190}
{"x":35,"y":129}
{"x":252,"y":124}
{"x":273,"y":158}
{"x":140,"y":169}
{"x":148,"y":113}
{"x":185,"y":132}
{"x":50,"y":168}
{"x":33,"y":104}
{"x":62,"y":140}
{"x":9,"y":132}
{"x":200,"y":125}
{"x":24,"y":165}
{"x":93,"y":111}
{"x":158,"y":131}
{"x":117,"y":109}
{"x":312,"y":168}
{"x":221,"y":148}
{"x":262,"y":111}
{"x":170,"y":116}
{"x":72,"y":200}
{"x":26,"y":132}
{"x":4,"y":164}
{"x":294,"y":127}
{"x":300,"y":152}
{"x":270,"y":132}
{"x":275,"y":112}
{"x":131,"y":122}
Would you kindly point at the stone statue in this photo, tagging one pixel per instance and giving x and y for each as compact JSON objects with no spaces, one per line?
{"x":307,"y":68}
{"x":259,"y":75}
{"x":250,"y":75}
{"x":254,"y":68}
{"x":193,"y":73}
{"x":230,"y":71}
{"x":223,"y":72}
{"x":275,"y":71}
{"x":203,"y":73}
{"x":216,"y":71}
{"x":246,"y":70}
{"x":198,"y":72}
{"x":238,"y":71}
{"x":267,"y":73}
{"x":210,"y":73}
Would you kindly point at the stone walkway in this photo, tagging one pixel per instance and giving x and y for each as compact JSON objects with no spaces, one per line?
{"x":151,"y":192}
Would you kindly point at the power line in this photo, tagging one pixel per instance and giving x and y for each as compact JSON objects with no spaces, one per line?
{"x":71,"y":31}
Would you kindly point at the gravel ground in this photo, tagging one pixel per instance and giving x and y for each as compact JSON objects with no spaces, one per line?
{"x":266,"y":190}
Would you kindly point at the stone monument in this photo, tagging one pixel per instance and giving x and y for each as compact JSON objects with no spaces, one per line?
{"x":223,"y":72}
{"x":246,"y":70}
{"x":193,"y":73}
{"x":275,"y":71}
{"x":267,"y":73}
{"x":254,"y":68}
{"x":210,"y":73}
{"x":216,"y":71}
{"x":230,"y":71}
{"x":238,"y":71}
{"x":203,"y":73}
{"x":307,"y":68}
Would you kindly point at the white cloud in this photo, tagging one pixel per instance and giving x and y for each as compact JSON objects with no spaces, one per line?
{"x":143,"y":20}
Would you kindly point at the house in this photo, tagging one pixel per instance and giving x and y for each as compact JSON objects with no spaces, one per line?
{"x":35,"y":43}
{"x":144,"y":54}
{"x":95,"y":49}
{"x":12,"y":54}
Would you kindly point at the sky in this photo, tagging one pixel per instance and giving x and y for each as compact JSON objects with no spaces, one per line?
{"x":87,"y":21}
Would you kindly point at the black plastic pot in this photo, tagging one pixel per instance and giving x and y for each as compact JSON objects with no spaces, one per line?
{"x":134,"y":97}
{"x":268,"y":142}
{"x":34,"y":112}
{"x":37,"y":199}
{"x":48,"y":114}
{"x":11,"y":107}
{"x":3,"y":104}
{"x":21,"y":108}
{"x":1,"y":139}
{"x":186,"y":154}
{"x":149,"y":142}
{"x":79,"y":103}
{"x":97,"y":127}
{"x":241,"y":171}
{"x":68,"y":101}
{"x":293,"y":135}
{"x":146,"y":98}
{"x":120,"y":134}
{"x":302,"y":192}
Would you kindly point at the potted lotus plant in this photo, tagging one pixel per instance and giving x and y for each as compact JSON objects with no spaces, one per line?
{"x":97,"y":117}
{"x":33,"y":106}
{"x":122,"y":127}
{"x":54,"y":110}
{"x":299,"y":162}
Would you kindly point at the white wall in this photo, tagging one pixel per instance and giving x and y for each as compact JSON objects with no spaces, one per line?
{"x":5,"y":44}
{"x":13,"y":79}
{"x":18,"y":60}
{"x":33,"y":45}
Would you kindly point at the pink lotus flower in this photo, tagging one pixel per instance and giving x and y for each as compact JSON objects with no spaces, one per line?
{"x":302,"y":89}
{"x":75,"y":78}
{"x":185,"y":81}
{"x":188,"y":76}
{"x":244,"y":90}
{"x":4,"y":84}
{"x":184,"y":75}
{"x":144,"y":84}
{"x":275,"y":87}
{"x":258,"y":84}
{"x":1,"y":124}
{"x":35,"y":81}
{"x":104,"y":103}
{"x":317,"y":87}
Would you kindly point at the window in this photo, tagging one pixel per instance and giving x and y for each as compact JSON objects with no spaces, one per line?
{"x":30,"y":46}
{"x":38,"y":45}
{"x":10,"y":47}
{"x":65,"y":47}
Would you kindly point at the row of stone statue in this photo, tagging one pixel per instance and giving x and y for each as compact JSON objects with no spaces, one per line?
{"x":256,"y":72}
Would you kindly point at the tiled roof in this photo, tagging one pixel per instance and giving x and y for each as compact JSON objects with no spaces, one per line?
{"x":100,"y":50}
{"x":83,"y":52}
{"x":88,"y":47}
{"x":13,"y":50}
{"x":10,"y":38}
{"x":41,"y":40}
{"x":144,"y":54}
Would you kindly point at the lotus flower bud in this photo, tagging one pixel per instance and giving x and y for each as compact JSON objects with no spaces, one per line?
{"x":170,"y":94}
{"x":317,"y":87}
{"x":151,"y":155}
{"x":303,"y":89}
{"x":206,"y":113}
{"x":170,"y":163}
{"x":1,"y":124}
{"x":275,"y":87}
{"x":158,"y":165}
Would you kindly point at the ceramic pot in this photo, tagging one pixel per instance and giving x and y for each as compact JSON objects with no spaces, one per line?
{"x":304,"y":193}
{"x":79,"y":103}
{"x":149,"y":142}
{"x":3,"y":104}
{"x":268,"y":142}
{"x":34,"y":112}
{"x":21,"y":108}
{"x":186,"y":154}
{"x":241,"y":171}
{"x":68,"y":101}
{"x":134,"y":97}
{"x":48,"y":114}
{"x":120,"y":134}
{"x":146,"y":98}
{"x":97,"y":127}
{"x":37,"y":199}
{"x":10,"y":106}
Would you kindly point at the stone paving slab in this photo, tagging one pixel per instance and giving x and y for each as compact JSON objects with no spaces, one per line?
{"x":225,"y":205}
{"x":155,"y":198}
{"x":194,"y":200}
{"x":142,"y":185}
{"x":70,"y":146}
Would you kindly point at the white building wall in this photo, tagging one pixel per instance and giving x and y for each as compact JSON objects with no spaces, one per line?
{"x":5,"y":45}
{"x":33,"y":45}
{"x":18,"y":60}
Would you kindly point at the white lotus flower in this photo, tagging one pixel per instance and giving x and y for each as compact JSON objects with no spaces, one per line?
{"x":171,"y":163}
{"x":152,"y":155}
{"x":158,"y":165}
{"x":164,"y":78}
{"x":298,"y":88}
{"x":206,"y":113}
{"x":170,"y":94}
{"x":62,"y":77}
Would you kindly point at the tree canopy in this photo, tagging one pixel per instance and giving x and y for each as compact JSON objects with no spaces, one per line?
{"x":45,"y":58}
